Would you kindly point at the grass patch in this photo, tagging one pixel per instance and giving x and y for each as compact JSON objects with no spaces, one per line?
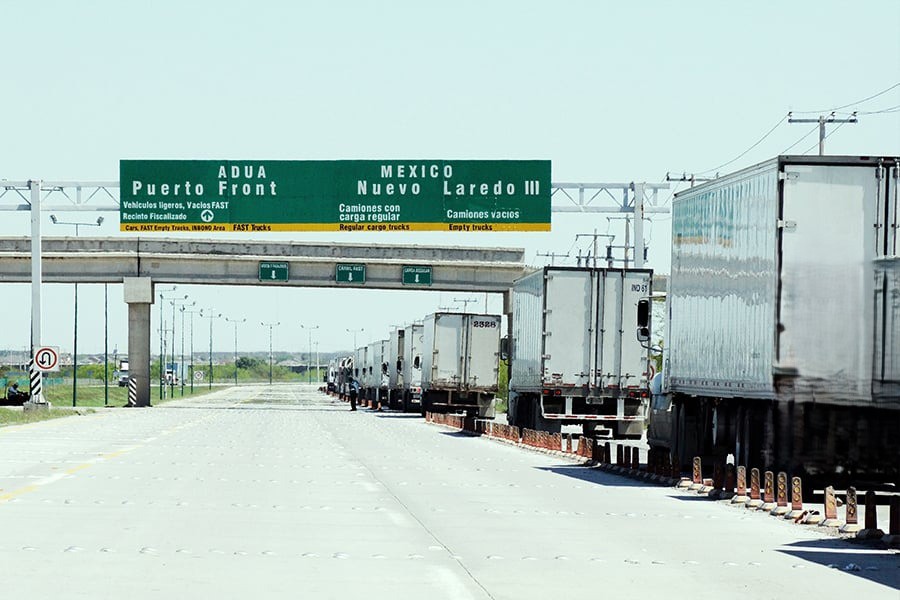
{"x":95,"y":396}
{"x":18,"y":416}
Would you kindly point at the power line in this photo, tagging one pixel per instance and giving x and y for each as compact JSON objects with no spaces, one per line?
{"x":744,"y":153}
{"x":889,"y":109}
{"x":828,"y":110}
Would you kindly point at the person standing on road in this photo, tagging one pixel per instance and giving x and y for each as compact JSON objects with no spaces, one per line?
{"x":354,"y":392}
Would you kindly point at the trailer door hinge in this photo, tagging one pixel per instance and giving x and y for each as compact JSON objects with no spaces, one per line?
{"x":783,"y":176}
{"x":787,"y":225}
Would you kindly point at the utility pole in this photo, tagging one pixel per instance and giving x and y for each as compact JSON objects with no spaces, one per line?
{"x":552,"y":256}
{"x":465,"y":302}
{"x":822,"y":121}
{"x":689,"y":177}
{"x":594,"y":236}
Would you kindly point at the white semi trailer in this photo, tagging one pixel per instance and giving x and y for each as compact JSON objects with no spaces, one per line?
{"x":460,"y":363}
{"x":396,"y":345}
{"x":411,"y":371}
{"x":580,"y":351}
{"x":783,"y":344}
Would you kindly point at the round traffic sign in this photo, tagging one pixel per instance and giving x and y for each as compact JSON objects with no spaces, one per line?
{"x":198,"y":375}
{"x":46,"y":358}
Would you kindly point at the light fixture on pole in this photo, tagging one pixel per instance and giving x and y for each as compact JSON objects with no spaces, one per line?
{"x":235,"y":321}
{"x":97,"y":223}
{"x":309,"y":329}
{"x":270,"y":326}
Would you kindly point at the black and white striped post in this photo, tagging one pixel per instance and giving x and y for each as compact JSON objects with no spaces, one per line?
{"x":132,"y":391}
{"x":35,"y":377}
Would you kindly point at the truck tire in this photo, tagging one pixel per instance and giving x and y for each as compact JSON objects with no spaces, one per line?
{"x":548,"y":425}
{"x":511,"y":407}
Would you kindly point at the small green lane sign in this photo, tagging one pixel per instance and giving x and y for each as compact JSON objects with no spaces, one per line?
{"x":273,"y":271}
{"x":415,"y":275}
{"x":350,"y":273}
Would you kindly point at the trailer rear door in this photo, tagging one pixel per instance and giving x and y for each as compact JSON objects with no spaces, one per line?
{"x":568,"y":312}
{"x":482,"y":351}
{"x":447,"y":353}
{"x":828,"y":236}
{"x":621,"y":359}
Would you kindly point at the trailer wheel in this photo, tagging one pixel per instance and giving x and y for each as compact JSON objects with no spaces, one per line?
{"x":548,"y":425}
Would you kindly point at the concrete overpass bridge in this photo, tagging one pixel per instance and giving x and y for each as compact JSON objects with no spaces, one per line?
{"x":110,"y":260}
{"x":140,"y":264}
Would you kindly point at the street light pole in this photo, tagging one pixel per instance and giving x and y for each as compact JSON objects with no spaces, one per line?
{"x":175,"y":304}
{"x":235,"y":321}
{"x":309,"y":330}
{"x":270,"y":326}
{"x":354,"y":332}
{"x":56,"y":221}
{"x":210,"y":316}
{"x":191,"y":368}
{"x":162,"y":332}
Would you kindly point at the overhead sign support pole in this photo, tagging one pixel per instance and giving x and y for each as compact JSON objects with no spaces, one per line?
{"x":36,"y":271}
{"x":638,"y":225}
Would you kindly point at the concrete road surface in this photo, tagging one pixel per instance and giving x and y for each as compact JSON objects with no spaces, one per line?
{"x":281,"y":492}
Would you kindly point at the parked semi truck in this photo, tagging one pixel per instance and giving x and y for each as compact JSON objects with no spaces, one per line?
{"x":377,"y":377}
{"x":396,"y":344}
{"x":460,"y":363}
{"x":784,"y":320}
{"x":411,"y":371}
{"x":580,"y":351}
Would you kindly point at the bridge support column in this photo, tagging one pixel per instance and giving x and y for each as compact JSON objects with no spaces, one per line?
{"x":139,"y":296}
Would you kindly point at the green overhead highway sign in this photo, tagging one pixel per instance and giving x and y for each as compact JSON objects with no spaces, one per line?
{"x":350,"y":273}
{"x":461,"y":196}
{"x":273,"y":271}
{"x":416,"y":275}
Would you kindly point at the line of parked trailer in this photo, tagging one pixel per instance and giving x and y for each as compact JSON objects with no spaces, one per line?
{"x":448,"y":362}
{"x":782,"y":321}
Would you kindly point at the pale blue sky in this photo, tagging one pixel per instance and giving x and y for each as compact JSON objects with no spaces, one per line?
{"x":606,"y":91}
